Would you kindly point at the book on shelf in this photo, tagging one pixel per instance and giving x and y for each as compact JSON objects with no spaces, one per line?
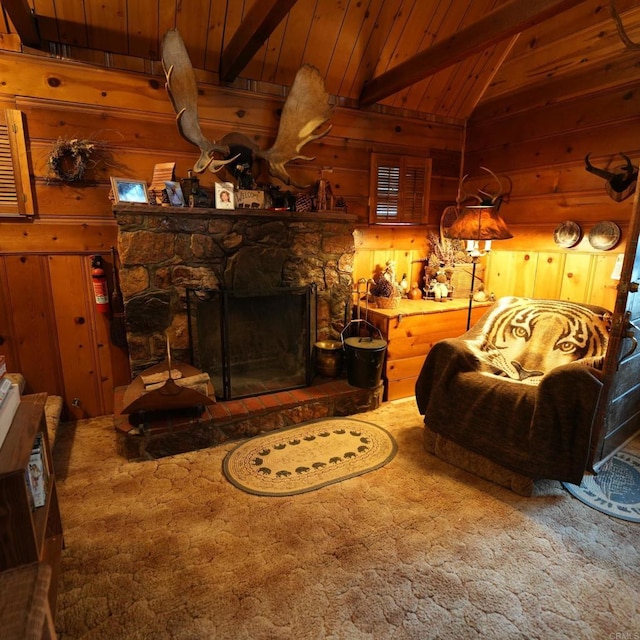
{"x":3,"y":365}
{"x":8,"y":408}
{"x":5,"y":385}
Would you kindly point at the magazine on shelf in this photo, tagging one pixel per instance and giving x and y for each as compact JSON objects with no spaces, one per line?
{"x":38,"y":473}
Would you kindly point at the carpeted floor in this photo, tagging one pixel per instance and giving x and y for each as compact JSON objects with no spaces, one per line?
{"x":416,"y":549}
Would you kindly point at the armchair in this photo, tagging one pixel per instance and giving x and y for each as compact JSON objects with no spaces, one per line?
{"x":513,"y":399}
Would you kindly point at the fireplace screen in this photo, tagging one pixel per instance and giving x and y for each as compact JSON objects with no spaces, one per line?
{"x":251,"y":343}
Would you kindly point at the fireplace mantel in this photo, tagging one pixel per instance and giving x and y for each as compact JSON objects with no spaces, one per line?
{"x":166,"y":250}
{"x":265,"y":214}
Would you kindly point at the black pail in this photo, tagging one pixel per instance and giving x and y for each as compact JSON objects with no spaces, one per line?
{"x":364,"y":359}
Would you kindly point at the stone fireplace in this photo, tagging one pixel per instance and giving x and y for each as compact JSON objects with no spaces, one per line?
{"x":167,"y":251}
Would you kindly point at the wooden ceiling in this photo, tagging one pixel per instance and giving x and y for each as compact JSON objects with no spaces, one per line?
{"x":447,"y":59}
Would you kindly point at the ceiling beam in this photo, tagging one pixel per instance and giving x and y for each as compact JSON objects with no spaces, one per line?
{"x":24,"y":22}
{"x":503,"y":22}
{"x":259,"y":23}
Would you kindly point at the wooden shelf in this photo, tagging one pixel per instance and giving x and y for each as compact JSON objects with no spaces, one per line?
{"x":29,"y":534}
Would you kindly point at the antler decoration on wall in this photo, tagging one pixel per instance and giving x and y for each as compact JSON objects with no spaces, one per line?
{"x":628,"y":42}
{"x":305,"y":109}
{"x":183,"y":91}
{"x":621,"y":184}
{"x":484,"y":197}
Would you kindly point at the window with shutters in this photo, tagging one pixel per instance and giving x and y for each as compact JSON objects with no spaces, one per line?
{"x":16,"y":198}
{"x":399,"y":189}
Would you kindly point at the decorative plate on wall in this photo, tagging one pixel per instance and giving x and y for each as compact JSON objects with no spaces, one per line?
{"x":567,"y":234}
{"x":604,"y":235}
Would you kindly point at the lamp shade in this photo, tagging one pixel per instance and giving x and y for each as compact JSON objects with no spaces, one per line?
{"x":479,"y":223}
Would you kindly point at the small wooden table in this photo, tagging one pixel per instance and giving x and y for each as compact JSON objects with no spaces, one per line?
{"x":411,"y":329}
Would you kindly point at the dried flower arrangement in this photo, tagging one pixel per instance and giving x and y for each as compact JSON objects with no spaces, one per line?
{"x":446,"y":251}
{"x":68,"y":159}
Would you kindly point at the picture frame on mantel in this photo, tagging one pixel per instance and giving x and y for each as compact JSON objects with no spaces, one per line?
{"x":224,"y":195}
{"x":126,"y":190}
{"x":174,"y":193}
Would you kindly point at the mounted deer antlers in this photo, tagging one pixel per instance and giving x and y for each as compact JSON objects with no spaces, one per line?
{"x":484,"y":197}
{"x":183,"y":91}
{"x":305,"y":109}
{"x":620,"y":185}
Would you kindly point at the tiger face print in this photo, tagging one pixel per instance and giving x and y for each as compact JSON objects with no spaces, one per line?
{"x":523,"y":339}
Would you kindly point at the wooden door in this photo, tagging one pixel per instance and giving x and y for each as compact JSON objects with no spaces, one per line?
{"x":618,"y":414}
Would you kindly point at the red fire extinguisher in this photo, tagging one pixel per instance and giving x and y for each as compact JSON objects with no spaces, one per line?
{"x":99,"y":279}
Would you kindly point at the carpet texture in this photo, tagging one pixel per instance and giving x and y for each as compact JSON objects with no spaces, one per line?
{"x":308,"y":456}
{"x":167,"y":548}
{"x":615,"y":490}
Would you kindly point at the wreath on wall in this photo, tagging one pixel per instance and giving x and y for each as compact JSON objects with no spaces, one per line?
{"x":68,"y":159}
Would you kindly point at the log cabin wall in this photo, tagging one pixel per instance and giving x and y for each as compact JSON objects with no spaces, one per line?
{"x":537,"y":142}
{"x":49,"y":325}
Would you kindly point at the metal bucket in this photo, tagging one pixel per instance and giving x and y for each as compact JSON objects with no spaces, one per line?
{"x":364,"y":358}
{"x":328,"y":358}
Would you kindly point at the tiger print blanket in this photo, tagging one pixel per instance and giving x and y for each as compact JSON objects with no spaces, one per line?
{"x":521,"y":386}
{"x":523,"y":339}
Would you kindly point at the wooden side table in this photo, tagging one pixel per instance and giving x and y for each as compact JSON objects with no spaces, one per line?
{"x":24,"y":593}
{"x":411,"y":329}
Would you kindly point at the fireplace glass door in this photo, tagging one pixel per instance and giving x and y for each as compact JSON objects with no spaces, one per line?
{"x":252,"y":343}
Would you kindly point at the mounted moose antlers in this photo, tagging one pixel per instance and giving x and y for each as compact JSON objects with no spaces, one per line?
{"x":183,"y":92}
{"x":305,"y":109}
{"x":620,"y":185}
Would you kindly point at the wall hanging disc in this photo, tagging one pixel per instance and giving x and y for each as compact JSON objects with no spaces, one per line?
{"x":567,"y":234}
{"x":604,"y":236}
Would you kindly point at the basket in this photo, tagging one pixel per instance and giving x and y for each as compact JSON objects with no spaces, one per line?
{"x":387,"y":303}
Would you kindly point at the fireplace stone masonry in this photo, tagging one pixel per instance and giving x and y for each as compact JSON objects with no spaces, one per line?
{"x":166,"y":250}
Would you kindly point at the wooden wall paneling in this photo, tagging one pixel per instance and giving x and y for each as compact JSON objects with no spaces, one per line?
{"x":59,"y":236}
{"x":572,"y":117}
{"x":549,"y":270}
{"x":576,"y":277}
{"x":511,"y":273}
{"x":8,"y":348}
{"x":602,"y":289}
{"x":33,"y":323}
{"x":77,"y":335}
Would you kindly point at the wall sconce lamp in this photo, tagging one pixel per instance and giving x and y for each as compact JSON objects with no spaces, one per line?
{"x":478,"y":225}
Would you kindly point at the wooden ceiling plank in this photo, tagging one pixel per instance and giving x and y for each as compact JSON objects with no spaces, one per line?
{"x":373,"y":43}
{"x":323,"y":35}
{"x":507,"y":20}
{"x":72,"y":26}
{"x":438,"y":23}
{"x":24,"y":22}
{"x":297,"y":28}
{"x":359,"y":50}
{"x":107,"y":26}
{"x":256,"y":27}
{"x":356,"y":17}
{"x":46,"y":17}
{"x":143,"y":30}
{"x":579,"y":48}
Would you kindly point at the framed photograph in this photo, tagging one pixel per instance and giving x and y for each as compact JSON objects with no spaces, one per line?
{"x":127,"y":190}
{"x":224,"y":195}
{"x":174,"y":192}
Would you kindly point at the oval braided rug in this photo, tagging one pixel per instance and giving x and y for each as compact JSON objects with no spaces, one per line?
{"x":308,"y":456}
